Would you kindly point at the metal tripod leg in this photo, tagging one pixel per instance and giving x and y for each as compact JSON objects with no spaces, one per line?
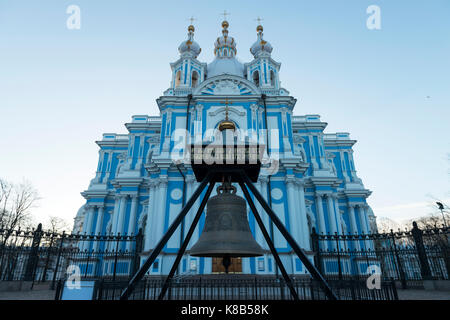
{"x":309,"y":266}
{"x":141,"y":272}
{"x":186,"y":241}
{"x":268,"y":240}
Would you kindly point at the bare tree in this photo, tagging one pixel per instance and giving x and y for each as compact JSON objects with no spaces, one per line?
{"x":385,"y":225}
{"x":16,"y":202}
{"x":57,"y":225}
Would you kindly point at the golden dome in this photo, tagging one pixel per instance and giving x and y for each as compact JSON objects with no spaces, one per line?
{"x":225,"y":24}
{"x":191,"y":28}
{"x":227,"y":124}
{"x":259,"y":28}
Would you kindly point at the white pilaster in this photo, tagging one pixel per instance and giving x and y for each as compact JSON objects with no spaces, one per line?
{"x":160,"y":203}
{"x":150,"y":217}
{"x":320,"y":214}
{"x":292,"y":208}
{"x":132,"y":220}
{"x":99,"y":225}
{"x":88,"y":227}
{"x":331,"y":219}
{"x":305,"y":244}
{"x":353,"y":226}
{"x":121,"y":217}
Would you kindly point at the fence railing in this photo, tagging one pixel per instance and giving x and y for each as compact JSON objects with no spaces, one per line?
{"x":243,"y":288}
{"x":41,"y":256}
{"x":406,"y":256}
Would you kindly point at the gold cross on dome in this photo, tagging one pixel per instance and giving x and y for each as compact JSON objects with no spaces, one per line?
{"x":192,"y":19}
{"x":225,"y":14}
{"x":259,"y":20}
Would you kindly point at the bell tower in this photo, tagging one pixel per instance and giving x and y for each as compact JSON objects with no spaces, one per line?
{"x":263,"y":70}
{"x":187,"y":71}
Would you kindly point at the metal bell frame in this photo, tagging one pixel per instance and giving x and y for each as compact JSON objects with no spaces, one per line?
{"x":244,"y":182}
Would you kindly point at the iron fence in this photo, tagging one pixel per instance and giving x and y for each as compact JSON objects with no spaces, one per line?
{"x":42,"y":256}
{"x":405,"y":256}
{"x":243,"y":288}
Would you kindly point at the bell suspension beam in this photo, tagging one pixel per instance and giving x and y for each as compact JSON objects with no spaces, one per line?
{"x":186,"y":241}
{"x":268,"y":240}
{"x":309,"y":266}
{"x":141,"y":272}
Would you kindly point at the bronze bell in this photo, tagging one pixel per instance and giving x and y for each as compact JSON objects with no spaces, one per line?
{"x":226,"y":232}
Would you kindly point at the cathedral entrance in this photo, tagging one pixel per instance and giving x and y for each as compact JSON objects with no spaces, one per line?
{"x":235,"y":267}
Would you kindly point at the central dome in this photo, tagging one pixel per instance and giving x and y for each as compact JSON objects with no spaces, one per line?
{"x":225,"y":66}
{"x":225,"y":52}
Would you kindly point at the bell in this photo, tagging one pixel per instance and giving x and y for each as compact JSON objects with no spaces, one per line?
{"x":226,"y":232}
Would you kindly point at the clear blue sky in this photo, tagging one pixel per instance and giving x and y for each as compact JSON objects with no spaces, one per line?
{"x":61,"y":89}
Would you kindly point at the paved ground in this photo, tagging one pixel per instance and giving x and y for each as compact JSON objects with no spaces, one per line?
{"x":28,"y":295}
{"x":412,"y":294}
{"x":409,"y":294}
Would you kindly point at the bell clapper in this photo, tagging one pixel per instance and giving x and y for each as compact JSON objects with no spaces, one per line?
{"x":226,"y":262}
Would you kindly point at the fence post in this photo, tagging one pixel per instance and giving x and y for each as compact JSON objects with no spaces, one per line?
{"x":338,"y":256}
{"x":55,"y":272}
{"x":115,"y":257}
{"x":34,"y":254}
{"x":423,"y":260}
{"x":49,"y":251}
{"x":138,"y":249}
{"x":399,"y":263}
{"x":316,"y":249}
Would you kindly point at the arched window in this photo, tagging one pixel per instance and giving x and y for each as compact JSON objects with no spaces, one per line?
{"x":272,"y":78}
{"x":225,"y":52}
{"x":178,"y":78}
{"x":194,"y":80}
{"x":256,"y":78}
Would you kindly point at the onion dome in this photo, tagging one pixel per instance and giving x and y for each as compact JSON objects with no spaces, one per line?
{"x":260,"y":46}
{"x":189,"y":46}
{"x":225,"y":52}
{"x":225,"y":46}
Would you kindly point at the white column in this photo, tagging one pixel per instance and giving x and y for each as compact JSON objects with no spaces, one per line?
{"x":115,"y":214}
{"x":121,"y":216}
{"x":353,"y":225}
{"x":293,"y":214}
{"x":338,"y":218}
{"x":132,"y":220}
{"x":88,"y":227}
{"x":303,"y":216}
{"x":133,"y":212}
{"x":320,"y":214}
{"x":150,"y":223}
{"x":321,"y":217}
{"x":161,"y":211}
{"x":98,"y":226}
{"x":331,"y":220}
{"x":363,"y":223}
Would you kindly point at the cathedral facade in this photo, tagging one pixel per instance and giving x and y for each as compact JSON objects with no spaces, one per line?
{"x":139,"y":186}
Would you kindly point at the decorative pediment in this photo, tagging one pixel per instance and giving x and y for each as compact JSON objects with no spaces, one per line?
{"x":227,"y":85}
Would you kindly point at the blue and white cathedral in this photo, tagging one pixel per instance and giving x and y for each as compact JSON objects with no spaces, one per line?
{"x":138,"y":186}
